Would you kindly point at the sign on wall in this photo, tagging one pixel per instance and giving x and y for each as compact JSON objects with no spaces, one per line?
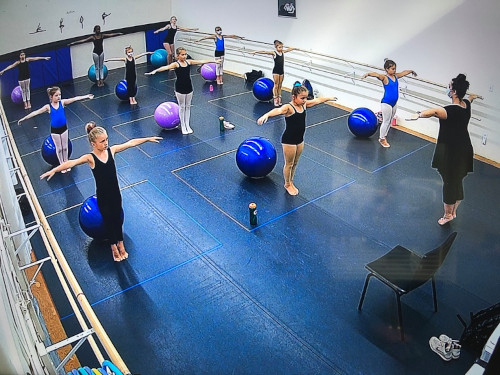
{"x":287,"y":8}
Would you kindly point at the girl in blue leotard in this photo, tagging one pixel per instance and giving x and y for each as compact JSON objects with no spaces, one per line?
{"x":220,"y":50}
{"x":391,"y":95}
{"x":58,"y":126}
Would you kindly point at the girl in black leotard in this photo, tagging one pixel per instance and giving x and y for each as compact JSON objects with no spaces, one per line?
{"x":97,"y":52}
{"x":24,"y":75}
{"x":292,"y":139}
{"x":109,"y":200}
{"x":130,"y":73}
{"x":183,"y":86}
{"x":279,"y":68}
{"x":168,"y":43}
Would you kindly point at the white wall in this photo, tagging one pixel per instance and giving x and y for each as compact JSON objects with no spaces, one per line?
{"x":19,"y":19}
{"x":438,"y":39}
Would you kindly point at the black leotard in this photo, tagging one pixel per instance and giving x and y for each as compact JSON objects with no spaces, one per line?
{"x":23,"y":70}
{"x":295,"y":127}
{"x":131,"y":77}
{"x":279,"y":63}
{"x":170,"y":37}
{"x":183,"y":83}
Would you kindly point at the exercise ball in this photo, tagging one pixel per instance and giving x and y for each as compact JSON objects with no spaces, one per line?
{"x":158,"y":58}
{"x":17,"y":95}
{"x":163,"y":52}
{"x":91,"y":73}
{"x":256,"y":157}
{"x":49,"y":151}
{"x":263,"y":89}
{"x":121,"y":90}
{"x":167,"y":115}
{"x":362,"y":122}
{"x":90,"y":219}
{"x":208,"y":71}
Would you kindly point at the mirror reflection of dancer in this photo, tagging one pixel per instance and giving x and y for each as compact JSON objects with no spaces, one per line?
{"x":58,"y":125}
{"x":220,"y":50}
{"x":292,"y":139}
{"x":24,"y":78}
{"x":130,"y":72}
{"x":454,"y":155}
{"x":278,"y":70}
{"x":168,"y":42}
{"x":98,"y":51}
{"x":183,"y":85}
{"x":102,"y":163}
{"x":391,"y":96}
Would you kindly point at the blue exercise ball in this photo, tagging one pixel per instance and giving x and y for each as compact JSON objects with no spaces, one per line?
{"x":163,"y":52}
{"x":91,"y":73}
{"x":362,"y":122}
{"x":49,"y":151}
{"x":256,"y":157}
{"x":121,"y":90}
{"x":158,"y":58}
{"x":90,"y":219}
{"x":263,"y":89}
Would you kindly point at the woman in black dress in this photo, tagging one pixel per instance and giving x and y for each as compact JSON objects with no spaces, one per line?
{"x":109,"y":199}
{"x":453,"y":156}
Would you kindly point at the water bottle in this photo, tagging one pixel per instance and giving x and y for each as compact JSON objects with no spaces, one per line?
{"x":221,"y":123}
{"x":252,"y":208}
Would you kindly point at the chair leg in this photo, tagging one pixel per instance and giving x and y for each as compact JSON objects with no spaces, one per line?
{"x":364,"y":291}
{"x":434,"y":294}
{"x":400,"y":317}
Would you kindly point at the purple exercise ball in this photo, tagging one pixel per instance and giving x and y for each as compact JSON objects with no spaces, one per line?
{"x":208,"y":71}
{"x":167,"y":115}
{"x":17,"y":95}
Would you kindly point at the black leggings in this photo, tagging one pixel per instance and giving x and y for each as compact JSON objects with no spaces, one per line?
{"x":111,"y":215}
{"x":453,"y":188}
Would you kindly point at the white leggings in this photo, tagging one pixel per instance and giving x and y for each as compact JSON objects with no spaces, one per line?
{"x":219,"y":66}
{"x":388,"y":113}
{"x":99,"y":65}
{"x":25,"y":89}
{"x":61,"y":143}
{"x":184,"y":101}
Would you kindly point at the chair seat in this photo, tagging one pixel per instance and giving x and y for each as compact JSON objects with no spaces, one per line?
{"x":399,"y":267}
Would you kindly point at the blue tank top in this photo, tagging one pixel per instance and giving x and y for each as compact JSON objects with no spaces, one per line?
{"x":219,"y":44}
{"x":57,"y":116}
{"x":391,"y":93}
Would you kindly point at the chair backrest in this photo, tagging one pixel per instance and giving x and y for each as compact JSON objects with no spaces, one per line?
{"x":432,"y":260}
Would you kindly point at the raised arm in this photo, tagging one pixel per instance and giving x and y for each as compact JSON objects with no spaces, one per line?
{"x":289,"y":49}
{"x":405,"y":73}
{"x":122,"y":59}
{"x":374,"y":74}
{"x":67,"y":164}
{"x":438,"y":112}
{"x":206,"y":37}
{"x":81,"y":41}
{"x":29,"y":59}
{"x":186,"y":28}
{"x":201,"y":62}
{"x":110,"y":35}
{"x":143,"y":54}
{"x":167,"y":26}
{"x":65,"y":102}
{"x":232,"y":36}
{"x":283,"y":110}
{"x":313,"y":102}
{"x":473,"y":97}
{"x":134,"y":142}
{"x":39,"y":111}
{"x":14,"y":64}
{"x":162,"y":69}
{"x":263,"y":52}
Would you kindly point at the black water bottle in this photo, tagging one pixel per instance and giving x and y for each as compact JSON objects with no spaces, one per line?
{"x":221,"y":123}
{"x":252,"y":208}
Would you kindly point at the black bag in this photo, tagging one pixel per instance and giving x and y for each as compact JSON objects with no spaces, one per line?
{"x":308,"y":86}
{"x":481,"y":326}
{"x":253,"y":76}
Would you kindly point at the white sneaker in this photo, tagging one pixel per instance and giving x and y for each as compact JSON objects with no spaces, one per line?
{"x":455,"y":346}
{"x":440,"y":348}
{"x":228,"y":125}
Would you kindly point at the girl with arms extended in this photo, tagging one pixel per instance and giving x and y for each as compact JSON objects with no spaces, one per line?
{"x":169,"y":41}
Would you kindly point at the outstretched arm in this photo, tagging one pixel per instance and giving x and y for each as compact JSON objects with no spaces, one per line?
{"x":186,"y":28}
{"x":122,"y":59}
{"x":109,"y":35}
{"x":405,"y":73}
{"x":283,"y":110}
{"x":67,"y":164}
{"x":65,"y":102}
{"x":167,"y":26}
{"x":201,"y":62}
{"x":39,"y":111}
{"x":289,"y":49}
{"x":162,"y":69}
{"x":15,"y":63}
{"x":232,"y":36}
{"x":374,"y":74}
{"x":473,"y":97}
{"x":143,"y":54}
{"x":438,"y":112}
{"x":82,"y":40}
{"x":313,"y":102}
{"x":134,"y":142}
{"x":263,"y":52}
{"x":29,"y":59}
{"x":206,"y":37}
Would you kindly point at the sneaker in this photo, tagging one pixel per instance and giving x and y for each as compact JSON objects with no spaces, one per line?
{"x":455,"y":346}
{"x":440,"y":348}
{"x":228,"y":125}
{"x":384,"y":142}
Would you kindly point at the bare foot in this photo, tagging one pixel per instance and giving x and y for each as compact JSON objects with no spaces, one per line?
{"x":116,"y":254}
{"x":445,"y":219}
{"x":123,"y":252}
{"x":291,"y":189}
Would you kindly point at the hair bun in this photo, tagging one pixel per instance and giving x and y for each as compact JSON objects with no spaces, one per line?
{"x":89,"y":126}
{"x":386,"y":59}
{"x":461,"y":77}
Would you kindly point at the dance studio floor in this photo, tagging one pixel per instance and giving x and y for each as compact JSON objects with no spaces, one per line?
{"x":204,"y":293}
